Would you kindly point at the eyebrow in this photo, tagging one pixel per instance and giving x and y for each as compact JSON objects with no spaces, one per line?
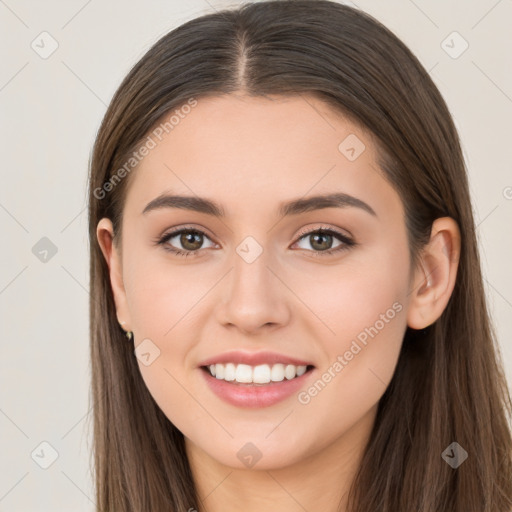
{"x":294,"y":207}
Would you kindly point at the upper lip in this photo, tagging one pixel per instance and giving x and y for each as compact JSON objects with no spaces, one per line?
{"x":253,"y":359}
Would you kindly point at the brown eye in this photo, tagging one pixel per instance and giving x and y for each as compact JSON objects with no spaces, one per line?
{"x":190,"y":240}
{"x":321,"y":241}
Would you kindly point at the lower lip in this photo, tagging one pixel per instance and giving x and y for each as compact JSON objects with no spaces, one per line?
{"x":254,"y":395}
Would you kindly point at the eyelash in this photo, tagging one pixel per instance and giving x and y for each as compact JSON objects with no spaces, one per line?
{"x":347,"y":242}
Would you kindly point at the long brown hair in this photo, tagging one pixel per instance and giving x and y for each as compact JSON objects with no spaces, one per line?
{"x":449,"y":384}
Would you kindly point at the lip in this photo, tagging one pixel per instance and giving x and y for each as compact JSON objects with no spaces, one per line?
{"x":254,"y":358}
{"x":255,"y":395}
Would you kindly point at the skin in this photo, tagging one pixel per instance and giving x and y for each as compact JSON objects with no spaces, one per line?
{"x":249,"y":155}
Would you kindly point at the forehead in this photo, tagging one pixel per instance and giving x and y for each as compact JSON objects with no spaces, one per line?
{"x":258,"y":150}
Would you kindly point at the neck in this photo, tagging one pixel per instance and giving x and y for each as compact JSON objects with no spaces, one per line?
{"x":318,"y":481}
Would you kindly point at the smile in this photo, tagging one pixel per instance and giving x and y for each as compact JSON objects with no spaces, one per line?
{"x":260,"y":374}
{"x":248,"y":393}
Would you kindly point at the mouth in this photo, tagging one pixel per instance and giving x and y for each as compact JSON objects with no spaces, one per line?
{"x":263,"y":385}
{"x":259,"y":375}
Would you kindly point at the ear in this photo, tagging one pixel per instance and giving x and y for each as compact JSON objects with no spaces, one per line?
{"x":434,"y":278}
{"x":105,"y":235}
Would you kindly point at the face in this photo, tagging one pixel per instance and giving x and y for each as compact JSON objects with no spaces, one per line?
{"x":323,"y":285}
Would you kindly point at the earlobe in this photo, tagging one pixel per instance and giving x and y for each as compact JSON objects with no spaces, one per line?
{"x":434,"y":279}
{"x":105,"y":234}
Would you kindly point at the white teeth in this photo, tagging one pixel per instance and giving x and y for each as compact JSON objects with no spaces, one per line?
{"x":260,"y":374}
{"x":230,"y":372}
{"x":290,"y":371}
{"x":243,"y":373}
{"x":301,"y":370}
{"x":277,"y":373}
{"x":219,"y":371}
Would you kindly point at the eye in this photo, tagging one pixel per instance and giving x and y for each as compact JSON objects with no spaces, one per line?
{"x":190,"y":240}
{"x":321,"y":240}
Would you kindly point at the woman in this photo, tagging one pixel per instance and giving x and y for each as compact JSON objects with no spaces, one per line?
{"x":281,"y":225}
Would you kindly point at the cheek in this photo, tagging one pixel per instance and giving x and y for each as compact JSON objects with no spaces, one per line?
{"x":171,"y":391}
{"x":164,"y":300}
{"x":363,"y":312}
{"x":351,"y":298}
{"x":359,"y":359}
{"x":161,"y":293}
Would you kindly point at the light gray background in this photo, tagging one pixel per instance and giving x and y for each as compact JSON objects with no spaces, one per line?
{"x":50,"y":111}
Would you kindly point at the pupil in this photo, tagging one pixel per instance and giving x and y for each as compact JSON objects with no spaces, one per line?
{"x":317,"y":236}
{"x":188,"y":238}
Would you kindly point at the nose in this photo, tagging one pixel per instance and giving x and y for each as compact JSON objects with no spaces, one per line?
{"x":253,"y":297}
